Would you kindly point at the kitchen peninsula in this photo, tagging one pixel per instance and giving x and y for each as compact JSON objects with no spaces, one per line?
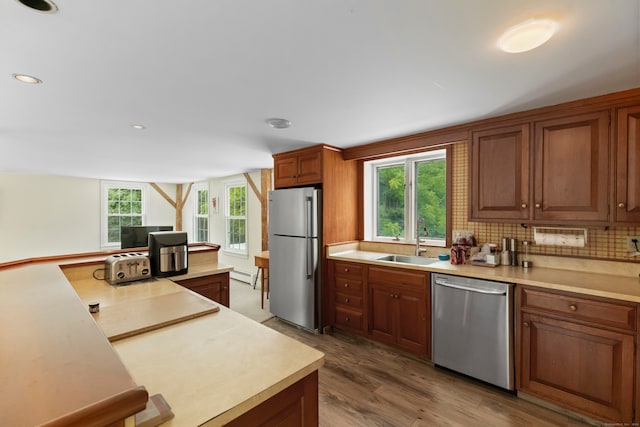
{"x":59,"y":368}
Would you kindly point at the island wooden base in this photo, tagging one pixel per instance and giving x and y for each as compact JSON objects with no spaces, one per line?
{"x":295,"y":406}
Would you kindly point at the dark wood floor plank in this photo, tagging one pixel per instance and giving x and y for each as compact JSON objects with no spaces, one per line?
{"x":367,"y":384}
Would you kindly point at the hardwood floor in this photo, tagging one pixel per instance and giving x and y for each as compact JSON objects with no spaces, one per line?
{"x":367,"y":384}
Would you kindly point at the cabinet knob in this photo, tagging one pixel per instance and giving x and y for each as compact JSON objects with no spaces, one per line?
{"x":573,"y":307}
{"x":621,"y":205}
{"x":346,"y":300}
{"x":523,"y":206}
{"x":346,"y":319}
{"x":346,"y":270}
{"x":538,"y":205}
{"x":396,"y":296}
{"x":525,"y":324}
{"x":346,"y":285}
{"x":391,"y":296}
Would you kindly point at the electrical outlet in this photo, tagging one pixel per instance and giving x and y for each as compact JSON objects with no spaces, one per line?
{"x":633,"y":244}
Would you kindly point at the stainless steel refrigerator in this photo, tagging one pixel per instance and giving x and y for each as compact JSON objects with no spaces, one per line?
{"x":295,"y":227}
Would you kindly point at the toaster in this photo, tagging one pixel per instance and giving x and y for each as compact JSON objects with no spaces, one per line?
{"x":122,"y":268}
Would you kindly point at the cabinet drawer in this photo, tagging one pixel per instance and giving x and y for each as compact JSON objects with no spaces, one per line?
{"x":345,"y":269}
{"x":397,"y":277}
{"x":348,"y":318}
{"x":348,"y":285}
{"x":350,"y":300}
{"x":580,"y":308}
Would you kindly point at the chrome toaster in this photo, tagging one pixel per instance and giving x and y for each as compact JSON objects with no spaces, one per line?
{"x":122,"y":268}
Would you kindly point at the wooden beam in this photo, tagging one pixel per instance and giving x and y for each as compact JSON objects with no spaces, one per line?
{"x":265,"y":184}
{"x":253,"y":186}
{"x":178,"y":204}
{"x":163,"y":194}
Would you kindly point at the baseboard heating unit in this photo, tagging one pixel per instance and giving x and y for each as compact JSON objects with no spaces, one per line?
{"x":242,"y":276}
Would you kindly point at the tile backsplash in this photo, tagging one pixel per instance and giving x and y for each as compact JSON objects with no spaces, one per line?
{"x":601,"y":243}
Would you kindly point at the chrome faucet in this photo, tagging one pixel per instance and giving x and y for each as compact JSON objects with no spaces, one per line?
{"x":420,"y":249}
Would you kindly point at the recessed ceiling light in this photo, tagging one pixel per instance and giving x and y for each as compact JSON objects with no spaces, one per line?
{"x":278,"y":123}
{"x":138,"y":127}
{"x":45,"y":6}
{"x":24,"y":78}
{"x":527,"y":35}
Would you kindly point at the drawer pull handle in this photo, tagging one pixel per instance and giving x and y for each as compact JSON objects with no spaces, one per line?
{"x":526,"y":324}
{"x":573,"y":307}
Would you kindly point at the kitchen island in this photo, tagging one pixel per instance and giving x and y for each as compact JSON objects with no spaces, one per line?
{"x":59,"y":368}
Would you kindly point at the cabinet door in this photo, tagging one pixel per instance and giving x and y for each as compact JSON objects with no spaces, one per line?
{"x":499,"y":184}
{"x":381,"y":313}
{"x":627,"y":202}
{"x":571,"y":167}
{"x":412,"y":321}
{"x":585,"y":368}
{"x":285,"y":171}
{"x":215,"y":287}
{"x":310,"y":167}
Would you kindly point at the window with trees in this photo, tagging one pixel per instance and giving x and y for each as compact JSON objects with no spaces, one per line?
{"x":201,"y":216}
{"x":236,"y":218}
{"x":123,"y":206}
{"x":405,"y":190}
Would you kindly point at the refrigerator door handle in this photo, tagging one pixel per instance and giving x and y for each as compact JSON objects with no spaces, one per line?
{"x":308,"y":237}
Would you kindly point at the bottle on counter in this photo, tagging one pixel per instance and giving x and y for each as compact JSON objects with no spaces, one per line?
{"x":505,"y":258}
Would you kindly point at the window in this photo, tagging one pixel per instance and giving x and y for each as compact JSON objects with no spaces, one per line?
{"x":405,"y":190}
{"x":236,"y":218}
{"x":123,"y":205}
{"x":201,"y":216}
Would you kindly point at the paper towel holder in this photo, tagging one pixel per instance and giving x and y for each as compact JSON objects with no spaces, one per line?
{"x":560,"y":236}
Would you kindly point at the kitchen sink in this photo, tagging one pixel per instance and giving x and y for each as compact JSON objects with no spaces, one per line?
{"x":407,"y":259}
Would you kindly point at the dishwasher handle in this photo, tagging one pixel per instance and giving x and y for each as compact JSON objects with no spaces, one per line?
{"x":442,"y":282}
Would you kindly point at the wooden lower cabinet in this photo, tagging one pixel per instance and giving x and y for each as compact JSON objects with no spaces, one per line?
{"x":398,"y":308}
{"x":347,"y":295}
{"x":214,"y":287}
{"x":295,"y":406}
{"x":582,"y":366}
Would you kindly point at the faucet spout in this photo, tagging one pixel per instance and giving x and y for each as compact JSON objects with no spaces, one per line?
{"x":419,"y":248}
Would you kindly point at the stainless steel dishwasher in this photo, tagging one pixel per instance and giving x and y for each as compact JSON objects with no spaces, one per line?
{"x":472,"y":329}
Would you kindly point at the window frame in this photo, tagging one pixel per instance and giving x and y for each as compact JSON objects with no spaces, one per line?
{"x":227,"y":217}
{"x":197,"y":188}
{"x":409,"y":162}
{"x":104,"y":209}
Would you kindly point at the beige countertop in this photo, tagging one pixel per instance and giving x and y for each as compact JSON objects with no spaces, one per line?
{"x":214,"y":368}
{"x":617,"y":286}
{"x":57,"y":361}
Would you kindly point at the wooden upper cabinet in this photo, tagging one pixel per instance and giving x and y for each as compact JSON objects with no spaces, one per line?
{"x":627,"y":199}
{"x":303,"y":167}
{"x":571,"y":169}
{"x":499,"y":184}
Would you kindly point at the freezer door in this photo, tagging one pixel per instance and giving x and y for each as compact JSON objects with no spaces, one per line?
{"x":294,"y":212}
{"x":292,"y":279}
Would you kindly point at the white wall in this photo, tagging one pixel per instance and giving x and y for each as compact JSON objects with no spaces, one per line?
{"x":42,"y":215}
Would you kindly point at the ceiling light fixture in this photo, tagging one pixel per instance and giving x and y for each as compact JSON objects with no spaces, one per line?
{"x":278,"y":123}
{"x":138,"y":127}
{"x":44,"y":6}
{"x":527,"y":35}
{"x":24,"y":78}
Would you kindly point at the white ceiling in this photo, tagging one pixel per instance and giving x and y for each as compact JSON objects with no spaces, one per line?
{"x":203,"y":75}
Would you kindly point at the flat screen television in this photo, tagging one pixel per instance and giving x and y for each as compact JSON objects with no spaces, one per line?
{"x":138,"y":236}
